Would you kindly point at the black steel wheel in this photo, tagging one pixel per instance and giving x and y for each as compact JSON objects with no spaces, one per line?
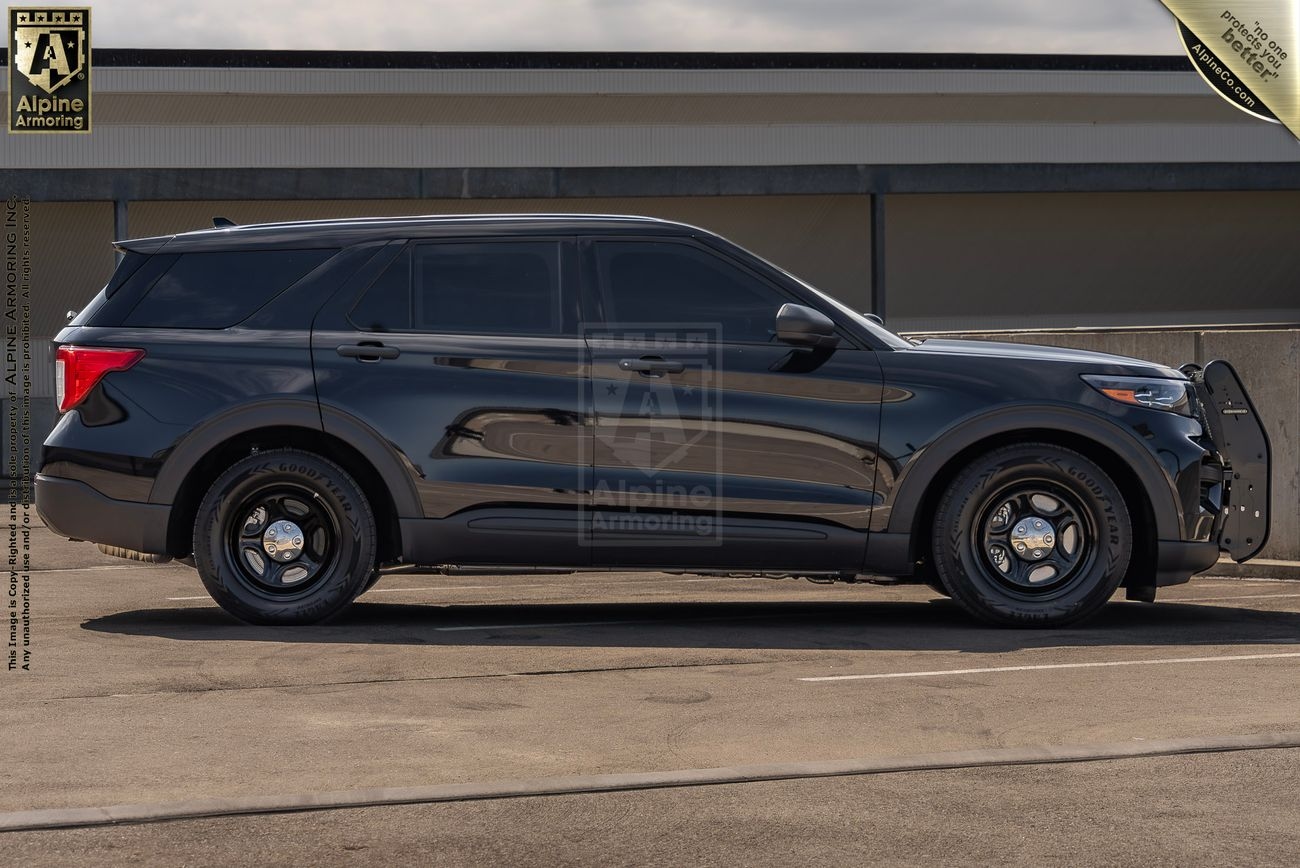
{"x":1035,"y":537}
{"x":1032,"y":535}
{"x":284,"y":537}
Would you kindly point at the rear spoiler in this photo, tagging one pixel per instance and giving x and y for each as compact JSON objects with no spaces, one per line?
{"x":142,"y":245}
{"x":153,"y":245}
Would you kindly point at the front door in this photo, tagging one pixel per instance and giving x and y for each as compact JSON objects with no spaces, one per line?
{"x":714,"y":444}
{"x":465,"y":356}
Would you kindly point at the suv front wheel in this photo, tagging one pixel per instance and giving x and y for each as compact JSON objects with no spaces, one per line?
{"x":1032,"y":535}
{"x":284,"y":537}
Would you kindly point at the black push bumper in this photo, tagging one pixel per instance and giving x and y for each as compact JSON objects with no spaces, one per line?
{"x":73,"y":509}
{"x":1241,"y":528}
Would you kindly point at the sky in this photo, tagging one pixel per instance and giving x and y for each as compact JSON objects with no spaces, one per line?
{"x":1013,"y":26}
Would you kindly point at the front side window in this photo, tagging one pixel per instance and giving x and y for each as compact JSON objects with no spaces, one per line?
{"x":467,"y":288}
{"x":663,"y":282}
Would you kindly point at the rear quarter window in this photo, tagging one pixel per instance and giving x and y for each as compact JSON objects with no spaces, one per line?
{"x":217,"y":290}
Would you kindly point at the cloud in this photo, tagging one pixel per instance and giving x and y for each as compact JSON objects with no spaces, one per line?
{"x":1015,"y":26}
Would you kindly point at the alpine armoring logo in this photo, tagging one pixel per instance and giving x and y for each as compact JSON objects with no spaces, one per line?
{"x":49,"y":70}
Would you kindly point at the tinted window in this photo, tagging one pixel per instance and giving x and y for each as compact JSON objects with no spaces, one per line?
{"x":474,"y":288}
{"x":130,"y":263}
{"x":386,"y":305}
{"x":216,"y":290}
{"x":651,"y":282}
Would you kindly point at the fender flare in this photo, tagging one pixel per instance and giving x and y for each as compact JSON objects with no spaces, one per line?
{"x":916,"y":479}
{"x":286,"y":411}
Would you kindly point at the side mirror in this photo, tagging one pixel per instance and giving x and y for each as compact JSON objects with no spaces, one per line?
{"x":805,"y":327}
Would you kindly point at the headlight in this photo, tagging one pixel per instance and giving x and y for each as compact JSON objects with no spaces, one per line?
{"x":1153,"y":392}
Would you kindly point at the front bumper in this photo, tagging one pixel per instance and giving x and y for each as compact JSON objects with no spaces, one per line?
{"x":73,"y":509}
{"x":1177,"y":561}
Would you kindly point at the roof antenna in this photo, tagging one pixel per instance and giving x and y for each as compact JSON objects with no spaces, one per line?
{"x":222,"y":222}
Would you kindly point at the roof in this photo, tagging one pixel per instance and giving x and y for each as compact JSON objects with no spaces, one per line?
{"x":333,"y":233}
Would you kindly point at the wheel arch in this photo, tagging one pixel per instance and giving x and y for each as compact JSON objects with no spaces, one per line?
{"x":198,"y":460}
{"x":1147,"y":491}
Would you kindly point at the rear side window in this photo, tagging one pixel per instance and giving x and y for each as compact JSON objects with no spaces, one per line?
{"x":129,"y":265}
{"x":218,"y":290}
{"x":467,"y":288}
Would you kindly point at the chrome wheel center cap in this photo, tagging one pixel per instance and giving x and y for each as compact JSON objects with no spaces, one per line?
{"x":282,"y":541}
{"x":1033,"y":538}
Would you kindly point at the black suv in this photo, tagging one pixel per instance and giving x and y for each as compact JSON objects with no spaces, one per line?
{"x":290,"y":407}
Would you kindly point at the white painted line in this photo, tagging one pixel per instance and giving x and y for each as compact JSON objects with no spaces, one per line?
{"x":97,"y":569}
{"x":457,"y":588}
{"x":675,"y":622}
{"x":1095,"y":665}
{"x":180,"y":599}
{"x":526,"y":626}
{"x":1220,"y":599}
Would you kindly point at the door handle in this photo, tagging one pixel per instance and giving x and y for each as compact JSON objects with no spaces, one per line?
{"x":368,"y":352}
{"x":652,"y":365}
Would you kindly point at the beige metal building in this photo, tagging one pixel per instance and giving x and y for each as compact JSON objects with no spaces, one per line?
{"x":947,"y":192}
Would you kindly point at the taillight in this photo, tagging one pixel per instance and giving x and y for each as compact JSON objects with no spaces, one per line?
{"x":78,"y":369}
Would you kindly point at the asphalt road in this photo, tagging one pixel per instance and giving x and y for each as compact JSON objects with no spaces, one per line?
{"x":145,"y":692}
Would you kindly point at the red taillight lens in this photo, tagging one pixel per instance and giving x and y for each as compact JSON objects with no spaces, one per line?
{"x":78,"y":369}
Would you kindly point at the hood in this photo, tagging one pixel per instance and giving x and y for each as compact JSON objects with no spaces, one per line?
{"x":1103,"y":363}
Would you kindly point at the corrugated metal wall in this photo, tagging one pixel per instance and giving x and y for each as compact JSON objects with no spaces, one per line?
{"x":1043,"y":260}
{"x":237,"y":117}
{"x":72,"y":257}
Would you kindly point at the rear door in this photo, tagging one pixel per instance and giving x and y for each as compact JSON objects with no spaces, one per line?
{"x":714,"y":444}
{"x":465,"y":355}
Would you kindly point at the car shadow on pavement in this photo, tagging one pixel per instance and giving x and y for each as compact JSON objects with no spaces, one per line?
{"x":886,"y":625}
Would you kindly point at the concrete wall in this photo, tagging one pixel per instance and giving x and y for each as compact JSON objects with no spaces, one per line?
{"x":1101,"y":260}
{"x":1269,"y":364}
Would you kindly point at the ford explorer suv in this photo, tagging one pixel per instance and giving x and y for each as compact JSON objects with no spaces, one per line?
{"x":292,"y":407}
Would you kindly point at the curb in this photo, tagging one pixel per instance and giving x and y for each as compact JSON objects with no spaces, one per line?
{"x":1259,"y":568}
{"x":66,"y":818}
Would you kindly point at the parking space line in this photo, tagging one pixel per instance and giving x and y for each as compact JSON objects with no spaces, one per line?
{"x":1098,"y":664}
{"x":1221,"y":599}
{"x":455,"y":588}
{"x":464,"y":627}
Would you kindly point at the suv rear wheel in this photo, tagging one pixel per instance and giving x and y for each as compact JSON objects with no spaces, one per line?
{"x":1032,"y":535}
{"x":285,"y":537}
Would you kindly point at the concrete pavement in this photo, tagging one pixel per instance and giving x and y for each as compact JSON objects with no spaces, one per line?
{"x":144,"y":691}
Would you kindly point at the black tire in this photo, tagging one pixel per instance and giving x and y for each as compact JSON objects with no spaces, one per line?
{"x":336,"y":540}
{"x":1016,"y":511}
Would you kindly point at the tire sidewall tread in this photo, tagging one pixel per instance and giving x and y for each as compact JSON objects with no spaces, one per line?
{"x":952,"y":551}
{"x":340,"y":493}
